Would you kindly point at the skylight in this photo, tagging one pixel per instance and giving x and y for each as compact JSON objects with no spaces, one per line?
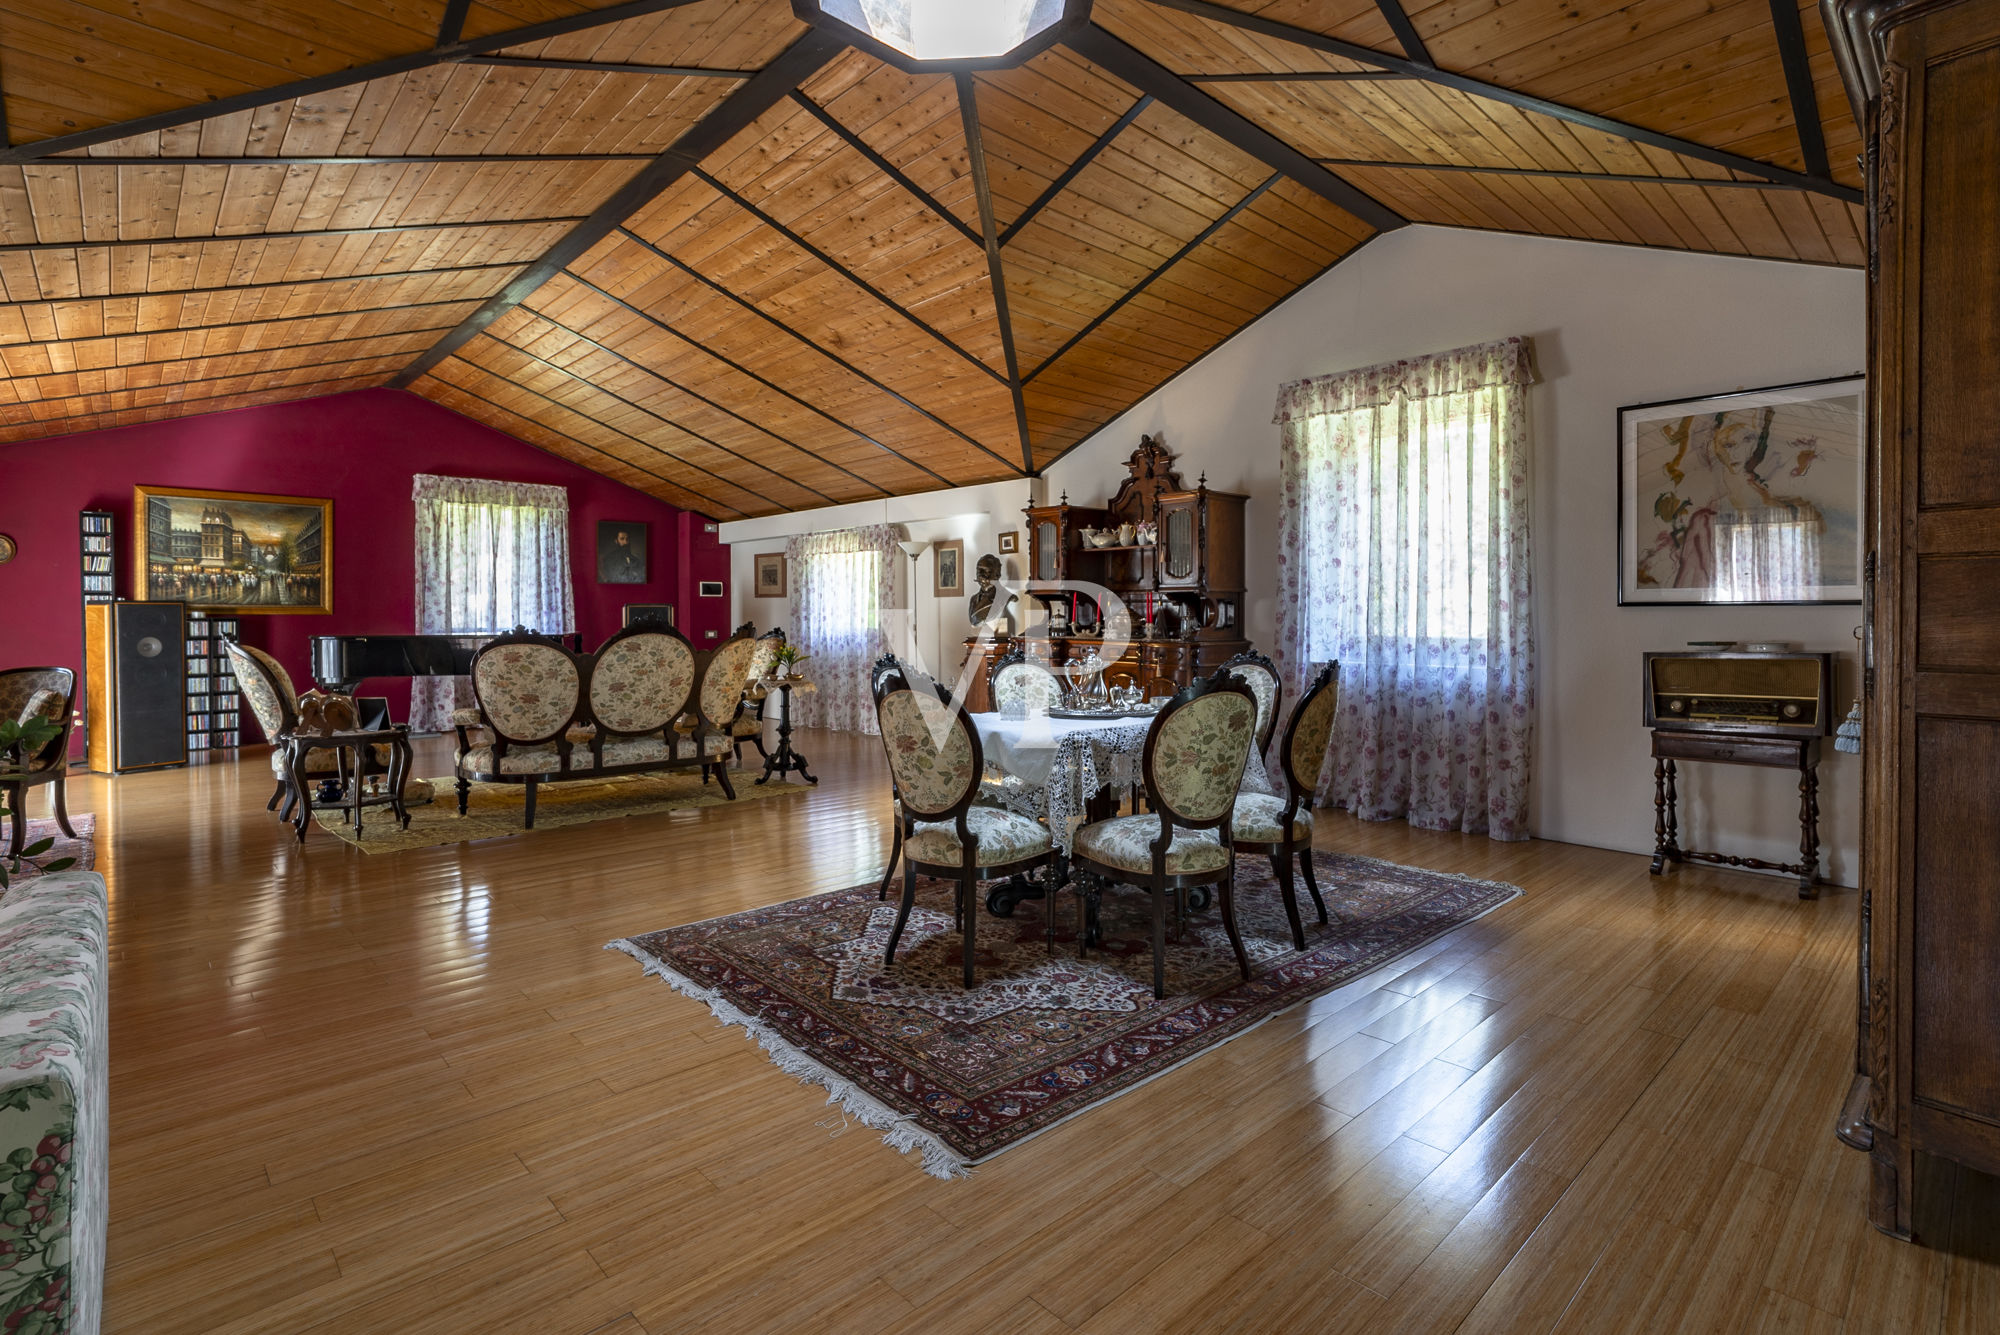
{"x":948,"y":29}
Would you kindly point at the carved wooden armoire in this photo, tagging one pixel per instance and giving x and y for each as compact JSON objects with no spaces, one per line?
{"x":1926,"y":76}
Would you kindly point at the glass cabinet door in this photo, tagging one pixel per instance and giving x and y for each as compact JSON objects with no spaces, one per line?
{"x":1177,"y":542}
{"x":1046,"y":540}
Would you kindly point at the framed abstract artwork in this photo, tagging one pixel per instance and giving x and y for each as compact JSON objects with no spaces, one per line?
{"x":233,"y":552}
{"x":768,"y":575}
{"x":621,"y":551}
{"x":1750,"y":497}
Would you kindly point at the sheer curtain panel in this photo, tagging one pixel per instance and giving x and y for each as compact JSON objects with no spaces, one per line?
{"x":841,"y":584}
{"x":490,"y":556}
{"x":1403,"y":554}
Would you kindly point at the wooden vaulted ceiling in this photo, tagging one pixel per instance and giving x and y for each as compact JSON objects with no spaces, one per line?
{"x":708,"y":250}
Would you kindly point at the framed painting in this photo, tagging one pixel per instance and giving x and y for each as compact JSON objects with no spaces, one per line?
{"x":1010,"y":542}
{"x":950,"y":568}
{"x":621,"y":551}
{"x":1752,"y":497}
{"x":768,"y":575}
{"x":237,"y":553}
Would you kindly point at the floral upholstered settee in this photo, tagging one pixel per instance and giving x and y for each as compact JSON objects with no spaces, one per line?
{"x":53,"y":1128}
{"x":644,"y":701}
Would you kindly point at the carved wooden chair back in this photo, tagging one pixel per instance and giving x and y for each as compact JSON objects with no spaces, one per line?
{"x":529,"y":689}
{"x":640,"y":680}
{"x":1196,"y":750}
{"x":1018,"y":680}
{"x":267,"y":688}
{"x":1310,"y":733}
{"x":1260,"y":674}
{"x":935,"y":758}
{"x":40,"y":692}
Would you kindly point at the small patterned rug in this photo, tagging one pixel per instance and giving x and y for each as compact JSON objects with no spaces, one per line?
{"x":83,"y":848}
{"x":497,"y":810}
{"x":963,"y":1075}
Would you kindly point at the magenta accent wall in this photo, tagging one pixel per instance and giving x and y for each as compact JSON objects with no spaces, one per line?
{"x":361,"y":449}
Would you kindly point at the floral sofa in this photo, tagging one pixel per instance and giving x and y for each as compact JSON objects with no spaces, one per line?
{"x":53,"y":1125}
{"x":644,"y":701}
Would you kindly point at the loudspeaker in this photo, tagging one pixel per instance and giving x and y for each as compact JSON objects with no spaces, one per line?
{"x":135,"y":664}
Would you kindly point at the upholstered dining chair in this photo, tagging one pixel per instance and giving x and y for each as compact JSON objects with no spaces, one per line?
{"x":1260,"y":674}
{"x":1192,"y":766}
{"x":274,"y":702}
{"x":749,"y":725}
{"x":1281,"y":828}
{"x":1016,"y":680}
{"x":935,"y":761}
{"x":31,"y":693}
{"x":719,"y":704}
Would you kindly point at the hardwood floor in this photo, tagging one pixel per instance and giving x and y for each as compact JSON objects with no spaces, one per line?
{"x":412,"y":1093}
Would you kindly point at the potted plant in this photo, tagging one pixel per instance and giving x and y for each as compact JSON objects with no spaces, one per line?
{"x":19,"y":740}
{"x":787,"y":660}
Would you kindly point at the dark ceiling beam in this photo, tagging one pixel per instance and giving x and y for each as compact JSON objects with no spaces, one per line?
{"x":830,"y":262}
{"x":745,"y":303}
{"x":886,"y":167}
{"x":1148,"y":280}
{"x":1334,"y":46}
{"x":1300,"y":76}
{"x":608,"y":67}
{"x":1799,"y":83}
{"x":1061,"y":183}
{"x":319,"y":83}
{"x":1126,"y":62}
{"x":743,"y":370}
{"x":731,"y":116}
{"x":678,"y":388}
{"x":1406,"y":32}
{"x":336,"y":159}
{"x":21,"y":247}
{"x":996,"y":274}
{"x":536,"y":422}
{"x":1622,"y":178}
{"x":452,"y":26}
{"x":668,"y":422}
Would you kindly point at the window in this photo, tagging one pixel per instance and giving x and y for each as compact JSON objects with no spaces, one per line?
{"x":1405,"y":559}
{"x":840,"y":586}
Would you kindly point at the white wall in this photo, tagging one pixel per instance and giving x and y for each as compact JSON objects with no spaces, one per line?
{"x":975,"y":515}
{"x":1612,"y":325}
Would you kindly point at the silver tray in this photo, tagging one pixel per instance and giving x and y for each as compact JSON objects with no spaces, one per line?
{"x":1108,"y":715}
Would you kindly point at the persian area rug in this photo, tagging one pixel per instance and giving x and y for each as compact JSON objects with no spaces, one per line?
{"x":963,"y":1075}
{"x":497,"y":810}
{"x":83,"y":848}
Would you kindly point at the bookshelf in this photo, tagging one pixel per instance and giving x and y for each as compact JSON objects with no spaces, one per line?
{"x":214,"y":705}
{"x":98,"y":561}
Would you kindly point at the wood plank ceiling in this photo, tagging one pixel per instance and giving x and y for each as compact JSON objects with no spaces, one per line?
{"x":710,"y":251}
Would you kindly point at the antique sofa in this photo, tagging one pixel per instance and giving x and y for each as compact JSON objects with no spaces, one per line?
{"x":645,"y":701}
{"x":53,"y":1125}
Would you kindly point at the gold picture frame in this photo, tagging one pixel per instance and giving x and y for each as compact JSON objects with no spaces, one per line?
{"x":1010,"y":542}
{"x":948,"y":568}
{"x":233,"y":553}
{"x":768,"y":576}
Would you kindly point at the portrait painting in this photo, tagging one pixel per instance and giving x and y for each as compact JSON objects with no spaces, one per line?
{"x":950,"y":568}
{"x":1747,"y":497}
{"x":233,"y":552}
{"x":621,"y":551}
{"x":768,"y":575}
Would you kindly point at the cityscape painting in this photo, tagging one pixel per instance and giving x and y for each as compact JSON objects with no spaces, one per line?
{"x":234,"y":552}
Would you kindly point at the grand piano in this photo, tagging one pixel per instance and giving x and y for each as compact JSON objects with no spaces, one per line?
{"x":342,"y":662}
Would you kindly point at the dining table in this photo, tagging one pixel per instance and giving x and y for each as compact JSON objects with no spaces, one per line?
{"x":1060,"y":771}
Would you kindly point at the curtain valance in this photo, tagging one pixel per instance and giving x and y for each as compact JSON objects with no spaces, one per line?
{"x":488,"y":491}
{"x":1507,"y":361}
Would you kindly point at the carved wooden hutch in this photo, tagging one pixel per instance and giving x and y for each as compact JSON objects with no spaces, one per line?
{"x":1183,"y":593}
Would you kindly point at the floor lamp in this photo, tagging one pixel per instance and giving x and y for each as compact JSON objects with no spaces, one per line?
{"x":913,"y":549}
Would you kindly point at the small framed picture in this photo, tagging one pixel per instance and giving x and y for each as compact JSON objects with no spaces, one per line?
{"x":769,"y":581}
{"x":950,"y":568}
{"x":1753,"y":496}
{"x":711,"y":588}
{"x":621,"y":551}
{"x":1010,"y":542}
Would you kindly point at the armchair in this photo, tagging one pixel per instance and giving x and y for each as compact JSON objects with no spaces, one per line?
{"x":274,"y":702}
{"x":28,"y":693}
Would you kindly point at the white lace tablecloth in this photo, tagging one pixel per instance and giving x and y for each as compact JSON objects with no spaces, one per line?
{"x":1049,"y":768}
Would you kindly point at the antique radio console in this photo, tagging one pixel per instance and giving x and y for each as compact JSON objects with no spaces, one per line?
{"x":1736,"y":708}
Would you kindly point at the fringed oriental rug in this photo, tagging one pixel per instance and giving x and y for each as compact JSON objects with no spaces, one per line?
{"x":963,"y":1075}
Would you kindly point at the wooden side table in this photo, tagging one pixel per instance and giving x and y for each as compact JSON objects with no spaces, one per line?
{"x":350,"y":748}
{"x":784,"y":760}
{"x":1791,"y":753}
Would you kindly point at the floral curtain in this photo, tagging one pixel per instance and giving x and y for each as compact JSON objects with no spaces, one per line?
{"x":842,"y":583}
{"x":1403,"y":555}
{"x":490,"y":556}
